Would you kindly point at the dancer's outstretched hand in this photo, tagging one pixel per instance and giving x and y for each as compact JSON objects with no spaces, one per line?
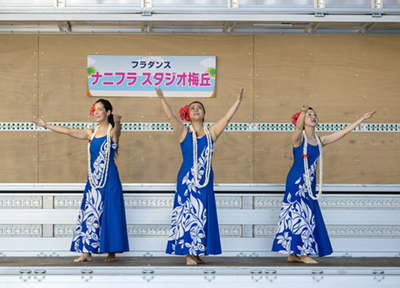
{"x":368,"y":115}
{"x":39,"y":122}
{"x":160,"y":94}
{"x":117,"y":118}
{"x":305,"y":108}
{"x":240,"y":95}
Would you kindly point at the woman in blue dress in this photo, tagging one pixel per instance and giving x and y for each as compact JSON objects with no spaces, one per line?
{"x":301,"y":230}
{"x":101,"y":226}
{"x":194,"y":226}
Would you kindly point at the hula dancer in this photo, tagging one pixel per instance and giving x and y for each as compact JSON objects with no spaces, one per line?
{"x":101,"y":226}
{"x":194,"y":225}
{"x":301,"y":230}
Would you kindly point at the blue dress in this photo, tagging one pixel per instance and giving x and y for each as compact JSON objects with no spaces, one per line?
{"x":101,"y":226}
{"x":301,"y":229}
{"x":194,"y":224}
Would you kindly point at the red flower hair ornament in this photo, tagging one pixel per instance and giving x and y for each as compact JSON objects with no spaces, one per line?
{"x":295,"y":117}
{"x":184,"y":113}
{"x":91,"y":112}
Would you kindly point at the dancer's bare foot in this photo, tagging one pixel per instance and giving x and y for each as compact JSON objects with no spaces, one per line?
{"x":294,"y":258}
{"x":198,"y":260}
{"x":84,"y":257}
{"x":308,"y":260}
{"x":110,"y":257}
{"x":190,"y":261}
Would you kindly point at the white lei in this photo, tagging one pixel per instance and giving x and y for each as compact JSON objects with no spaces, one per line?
{"x":307,"y":172}
{"x":208,"y":157}
{"x":103,"y":176}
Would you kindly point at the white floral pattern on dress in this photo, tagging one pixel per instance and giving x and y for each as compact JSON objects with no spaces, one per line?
{"x":190,"y":216}
{"x":297,"y":219}
{"x":87,"y":233}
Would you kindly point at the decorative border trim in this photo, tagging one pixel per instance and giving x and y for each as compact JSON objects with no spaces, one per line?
{"x":25,"y":230}
{"x":223,"y":201}
{"x":366,"y":202}
{"x":370,"y":202}
{"x":146,"y":202}
{"x":21,"y":202}
{"x":154,"y":230}
{"x":171,"y":187}
{"x":148,"y":230}
{"x":230,"y":204}
{"x":358,"y":230}
{"x":232,"y":127}
{"x":339,"y":231}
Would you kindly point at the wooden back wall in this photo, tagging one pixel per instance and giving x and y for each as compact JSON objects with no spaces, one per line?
{"x":342,"y":77}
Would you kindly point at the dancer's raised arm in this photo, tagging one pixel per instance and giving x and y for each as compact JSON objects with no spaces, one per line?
{"x":340,"y":134}
{"x":179,"y":128}
{"x":116,"y":131}
{"x":82,"y":134}
{"x":219,"y":127}
{"x":298,"y":133}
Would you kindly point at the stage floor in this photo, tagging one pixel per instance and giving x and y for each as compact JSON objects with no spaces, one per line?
{"x":175,"y":261}
{"x":171,"y":272}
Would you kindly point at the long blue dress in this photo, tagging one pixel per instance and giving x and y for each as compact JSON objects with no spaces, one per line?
{"x":101,"y":226}
{"x":194,"y":224}
{"x":301,"y":229}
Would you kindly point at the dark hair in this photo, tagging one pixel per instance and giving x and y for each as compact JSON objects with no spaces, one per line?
{"x":108,"y":107}
{"x":198,"y":102}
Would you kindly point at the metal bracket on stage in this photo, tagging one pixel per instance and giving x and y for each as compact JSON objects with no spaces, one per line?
{"x":377,"y":278}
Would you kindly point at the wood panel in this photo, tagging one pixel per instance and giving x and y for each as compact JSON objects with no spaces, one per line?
{"x":144,"y":157}
{"x":233,"y":158}
{"x":149,"y":157}
{"x":19,"y":157}
{"x":63,"y":65}
{"x":330,"y":73}
{"x":342,"y":77}
{"x":62,"y":159}
{"x":18,"y":77}
{"x":155,"y":157}
{"x":367,"y":158}
{"x":272,"y":157}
